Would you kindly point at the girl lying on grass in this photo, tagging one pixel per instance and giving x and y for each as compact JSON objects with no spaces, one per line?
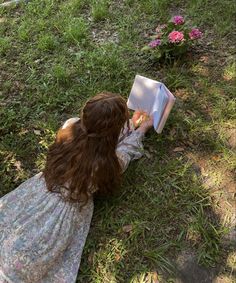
{"x":45,"y":221}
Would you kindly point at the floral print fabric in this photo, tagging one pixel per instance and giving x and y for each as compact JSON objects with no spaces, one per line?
{"x":42,"y":236}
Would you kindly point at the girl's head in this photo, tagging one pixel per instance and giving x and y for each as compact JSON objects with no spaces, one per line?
{"x":83,"y":156}
{"x":104,"y":115}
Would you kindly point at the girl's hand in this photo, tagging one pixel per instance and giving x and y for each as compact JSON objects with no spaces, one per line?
{"x":139,"y":117}
{"x":146,"y":124}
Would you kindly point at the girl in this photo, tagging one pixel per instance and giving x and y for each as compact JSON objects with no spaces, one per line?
{"x":45,"y":221}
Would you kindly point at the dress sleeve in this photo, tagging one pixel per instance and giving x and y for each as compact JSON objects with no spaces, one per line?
{"x":69,"y":122}
{"x":126,"y":131}
{"x":130,"y":148}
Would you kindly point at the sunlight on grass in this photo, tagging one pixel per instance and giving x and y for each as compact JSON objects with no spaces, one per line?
{"x":231,"y":261}
{"x":146,"y":277}
{"x":3,"y":20}
{"x":105,"y":260}
{"x":230,"y":72}
{"x":201,"y":70}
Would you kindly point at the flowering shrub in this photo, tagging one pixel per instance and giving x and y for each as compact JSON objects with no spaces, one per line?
{"x":176,"y":36}
{"x":172,"y":39}
{"x":195,"y":34}
{"x":178,"y":20}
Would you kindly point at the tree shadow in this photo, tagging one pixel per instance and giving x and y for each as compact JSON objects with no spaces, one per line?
{"x":152,"y":243}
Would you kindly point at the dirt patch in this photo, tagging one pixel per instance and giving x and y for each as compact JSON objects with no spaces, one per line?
{"x":102,"y":36}
{"x":231,"y":137}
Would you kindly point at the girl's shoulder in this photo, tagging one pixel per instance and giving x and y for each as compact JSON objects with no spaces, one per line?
{"x":69,"y":122}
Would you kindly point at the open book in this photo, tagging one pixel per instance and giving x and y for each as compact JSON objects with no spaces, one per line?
{"x":152,"y":97}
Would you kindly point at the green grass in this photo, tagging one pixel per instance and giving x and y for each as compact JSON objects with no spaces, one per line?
{"x":100,"y":10}
{"x":5,"y":44}
{"x":55,"y":55}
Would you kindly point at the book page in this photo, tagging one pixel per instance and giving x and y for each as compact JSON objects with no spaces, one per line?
{"x":143,"y":94}
{"x":159,"y":105}
{"x":166,"y":112}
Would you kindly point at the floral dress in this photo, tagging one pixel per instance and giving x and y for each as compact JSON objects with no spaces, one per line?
{"x":42,"y":236}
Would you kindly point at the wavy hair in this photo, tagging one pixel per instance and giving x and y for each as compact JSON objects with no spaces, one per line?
{"x":83,"y":157}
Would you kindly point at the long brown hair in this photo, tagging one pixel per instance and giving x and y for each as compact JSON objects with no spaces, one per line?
{"x":83,"y":156}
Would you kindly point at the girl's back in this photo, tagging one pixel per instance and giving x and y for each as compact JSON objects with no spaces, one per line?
{"x":45,"y":221}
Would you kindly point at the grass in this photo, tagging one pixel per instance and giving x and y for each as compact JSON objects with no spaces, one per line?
{"x":55,"y":55}
{"x":100,"y":10}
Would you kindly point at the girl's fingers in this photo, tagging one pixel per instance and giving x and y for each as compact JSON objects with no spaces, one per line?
{"x":147,"y":124}
{"x":136,"y":117}
{"x":140,"y":118}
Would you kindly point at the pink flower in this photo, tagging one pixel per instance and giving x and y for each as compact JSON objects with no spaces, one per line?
{"x":176,"y":36}
{"x":154,"y":43}
{"x":178,"y":20}
{"x":195,"y":33}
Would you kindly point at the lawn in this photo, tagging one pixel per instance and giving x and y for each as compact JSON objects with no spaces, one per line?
{"x":176,"y":204}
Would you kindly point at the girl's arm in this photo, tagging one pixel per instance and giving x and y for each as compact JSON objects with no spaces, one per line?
{"x":131,"y":147}
{"x":126,"y":131}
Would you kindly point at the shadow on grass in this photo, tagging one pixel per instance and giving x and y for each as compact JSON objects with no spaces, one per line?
{"x":22,"y":153}
{"x":162,"y":212}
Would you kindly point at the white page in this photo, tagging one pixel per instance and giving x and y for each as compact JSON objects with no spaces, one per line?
{"x":170,"y":104}
{"x":143,"y":94}
{"x":159,"y":105}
